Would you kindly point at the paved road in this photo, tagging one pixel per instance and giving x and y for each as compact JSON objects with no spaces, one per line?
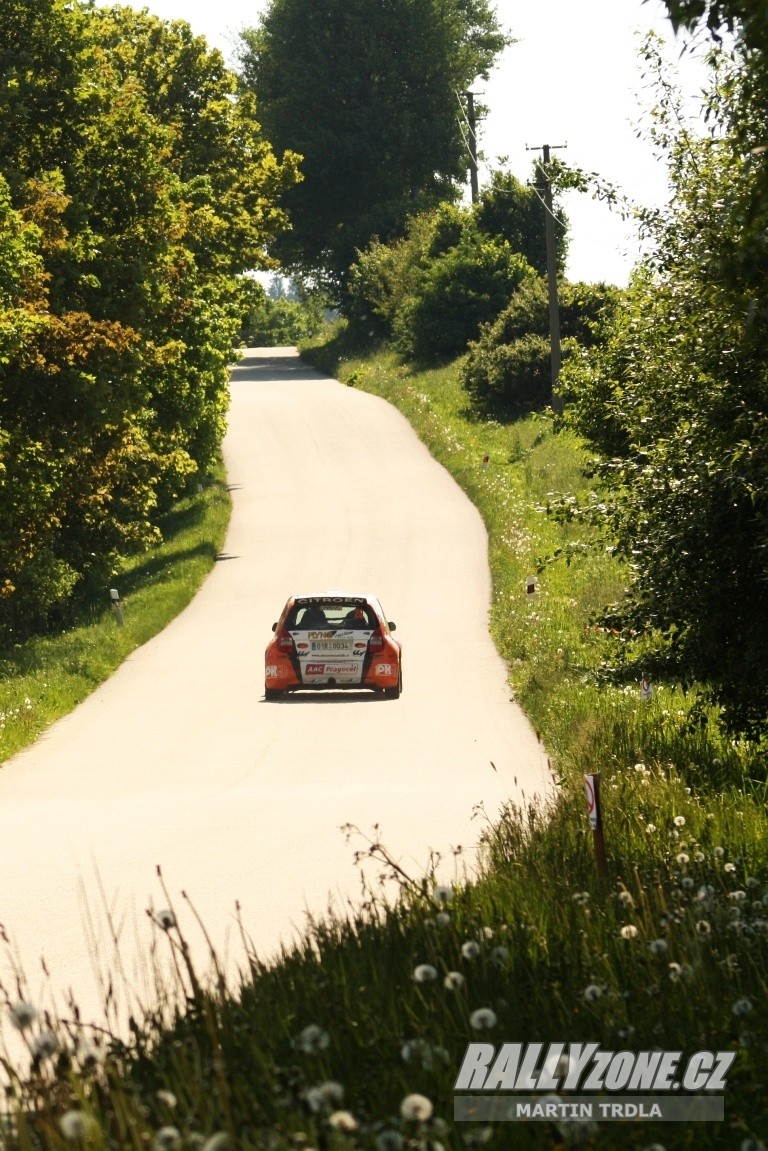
{"x":178,"y":761}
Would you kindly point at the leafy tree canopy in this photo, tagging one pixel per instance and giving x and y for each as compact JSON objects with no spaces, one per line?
{"x":676,"y":403}
{"x":368,"y":93}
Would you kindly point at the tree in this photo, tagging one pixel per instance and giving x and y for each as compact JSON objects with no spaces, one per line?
{"x":676,"y":403}
{"x":135,"y":188}
{"x":515,"y":212}
{"x":367,"y":94}
{"x":508,"y":369}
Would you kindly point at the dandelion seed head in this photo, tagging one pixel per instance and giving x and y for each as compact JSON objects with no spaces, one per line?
{"x":166,"y":1097}
{"x":470,"y":949}
{"x":742,"y":1007}
{"x":45,"y":1044}
{"x":686,"y":883}
{"x":718,"y":852}
{"x":453,"y":980}
{"x":499,"y":956}
{"x":343,"y":1121}
{"x":312,"y":1039}
{"x":580,"y":897}
{"x":703,"y":928}
{"x":679,"y":821}
{"x":443,"y":919}
{"x":165,"y":919}
{"x":167,"y":1139}
{"x":23,"y":1015}
{"x":416,"y":1108}
{"x":592,"y":992}
{"x":729,"y":868}
{"x":443,"y":893}
{"x":658,"y":946}
{"x":75,"y":1125}
{"x":737,"y":896}
{"x":682,"y":858}
{"x":675,"y":971}
{"x":629,"y":931}
{"x":483,"y":1019}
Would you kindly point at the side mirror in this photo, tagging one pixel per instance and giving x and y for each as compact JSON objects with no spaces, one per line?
{"x":391,"y":626}
{"x":274,"y":627}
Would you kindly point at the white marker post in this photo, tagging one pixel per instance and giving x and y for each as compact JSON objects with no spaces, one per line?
{"x":117,"y":606}
{"x":592,"y":788}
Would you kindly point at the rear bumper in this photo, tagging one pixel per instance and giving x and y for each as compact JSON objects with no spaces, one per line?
{"x":382,"y":672}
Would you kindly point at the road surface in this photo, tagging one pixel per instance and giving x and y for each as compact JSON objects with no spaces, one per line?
{"x":177,"y":760}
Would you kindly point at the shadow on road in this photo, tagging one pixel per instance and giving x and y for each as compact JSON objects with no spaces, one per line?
{"x":272,"y":364}
{"x":296,"y":698}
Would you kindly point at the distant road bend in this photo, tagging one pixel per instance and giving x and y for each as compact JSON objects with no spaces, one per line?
{"x":178,"y":761}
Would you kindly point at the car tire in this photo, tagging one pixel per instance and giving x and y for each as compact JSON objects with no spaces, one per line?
{"x":271,"y":694}
{"x":394,"y":692}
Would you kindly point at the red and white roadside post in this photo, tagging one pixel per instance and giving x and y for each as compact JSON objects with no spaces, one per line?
{"x":592,"y":788}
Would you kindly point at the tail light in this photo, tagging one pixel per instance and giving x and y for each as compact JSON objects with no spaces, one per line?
{"x":285,"y":641}
{"x":376,"y":642}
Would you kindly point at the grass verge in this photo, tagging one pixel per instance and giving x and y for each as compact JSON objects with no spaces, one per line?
{"x":46,"y":677}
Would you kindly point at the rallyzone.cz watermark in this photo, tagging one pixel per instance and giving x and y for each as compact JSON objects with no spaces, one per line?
{"x":676,"y":1089}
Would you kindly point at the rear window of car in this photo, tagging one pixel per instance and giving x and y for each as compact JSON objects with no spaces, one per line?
{"x":332,"y":614}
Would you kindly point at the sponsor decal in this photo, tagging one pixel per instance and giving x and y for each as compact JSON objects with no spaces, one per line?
{"x":315,"y":669}
{"x":383,"y":669}
{"x":677,"y":1088}
{"x":270,"y":671}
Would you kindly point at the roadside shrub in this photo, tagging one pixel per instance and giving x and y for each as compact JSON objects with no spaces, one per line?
{"x":508,"y":368}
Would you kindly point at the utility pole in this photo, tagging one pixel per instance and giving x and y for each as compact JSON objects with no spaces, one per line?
{"x":554,"y":306}
{"x":472,"y":125}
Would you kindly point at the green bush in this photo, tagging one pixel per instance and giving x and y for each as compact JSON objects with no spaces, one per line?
{"x":508,"y":369}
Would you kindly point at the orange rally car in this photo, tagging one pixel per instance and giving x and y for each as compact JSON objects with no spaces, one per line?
{"x":333,"y":641}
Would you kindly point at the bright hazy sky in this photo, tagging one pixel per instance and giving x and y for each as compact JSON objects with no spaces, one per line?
{"x":573,"y":77}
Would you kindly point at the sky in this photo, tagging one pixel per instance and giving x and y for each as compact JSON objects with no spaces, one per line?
{"x":573,"y":77}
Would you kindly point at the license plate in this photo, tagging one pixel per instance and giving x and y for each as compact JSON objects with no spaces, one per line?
{"x":332,"y":645}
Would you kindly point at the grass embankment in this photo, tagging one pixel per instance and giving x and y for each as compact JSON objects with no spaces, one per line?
{"x":354,"y":1039}
{"x":45,"y":677}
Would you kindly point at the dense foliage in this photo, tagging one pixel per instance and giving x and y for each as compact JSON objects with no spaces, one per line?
{"x":134,"y":189}
{"x":368,"y":94}
{"x":431,"y":291}
{"x":508,"y":370}
{"x":676,"y":402}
